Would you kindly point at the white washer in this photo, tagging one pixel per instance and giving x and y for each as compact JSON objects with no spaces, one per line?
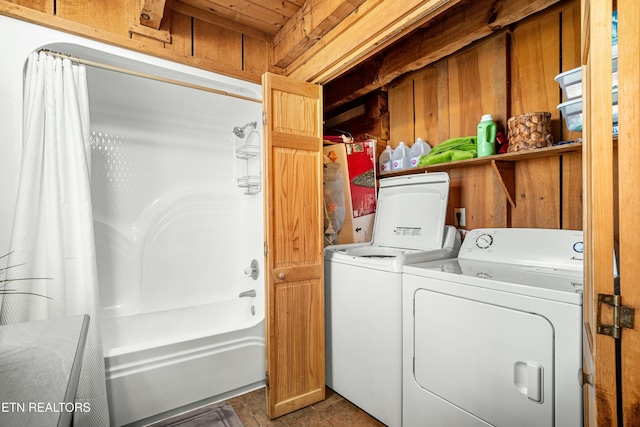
{"x":363,"y":291}
{"x":494,"y":337}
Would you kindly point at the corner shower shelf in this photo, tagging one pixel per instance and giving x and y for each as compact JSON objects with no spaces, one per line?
{"x":250,"y":182}
{"x":246,"y":152}
{"x":253,"y":183}
{"x":251,"y":174}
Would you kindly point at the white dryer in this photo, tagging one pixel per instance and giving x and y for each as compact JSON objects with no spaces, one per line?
{"x":363,"y":291}
{"x":494,"y":337}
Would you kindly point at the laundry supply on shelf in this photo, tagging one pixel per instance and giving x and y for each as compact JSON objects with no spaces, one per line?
{"x":486,"y":136}
{"x":400,"y":157}
{"x":418,"y":149}
{"x":453,"y":149}
{"x":385,"y":159}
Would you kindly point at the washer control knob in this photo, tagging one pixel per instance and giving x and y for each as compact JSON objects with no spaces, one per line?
{"x":484,"y":241}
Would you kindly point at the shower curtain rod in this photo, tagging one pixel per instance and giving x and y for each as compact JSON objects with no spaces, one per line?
{"x":146,"y":76}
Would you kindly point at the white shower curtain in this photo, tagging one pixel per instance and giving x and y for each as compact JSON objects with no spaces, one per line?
{"x":53,"y":227}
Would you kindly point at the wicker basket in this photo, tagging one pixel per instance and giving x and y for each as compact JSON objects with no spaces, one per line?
{"x":529,"y":131}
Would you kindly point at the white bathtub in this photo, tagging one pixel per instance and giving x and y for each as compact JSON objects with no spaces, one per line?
{"x":176,"y":333}
{"x":181,"y":358}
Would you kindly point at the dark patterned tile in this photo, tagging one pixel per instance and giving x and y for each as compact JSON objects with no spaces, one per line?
{"x":243,"y":412}
{"x":305,"y":417}
{"x":256,"y":399}
{"x":344,"y":414}
{"x":331,"y":397}
{"x":334,"y":411}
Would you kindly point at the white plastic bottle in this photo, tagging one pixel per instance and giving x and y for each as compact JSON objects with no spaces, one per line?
{"x":418,"y":149}
{"x":400,"y":158}
{"x":384,"y":161}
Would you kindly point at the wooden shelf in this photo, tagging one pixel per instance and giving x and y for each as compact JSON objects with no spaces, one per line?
{"x":507,"y":157}
{"x":502,"y":164}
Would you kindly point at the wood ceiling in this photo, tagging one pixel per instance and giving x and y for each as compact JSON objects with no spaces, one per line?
{"x":293,"y":26}
{"x":313,"y":40}
{"x":353,"y":46}
{"x":267,"y":16}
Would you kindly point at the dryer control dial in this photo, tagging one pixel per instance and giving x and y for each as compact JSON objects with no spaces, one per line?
{"x":484,"y":241}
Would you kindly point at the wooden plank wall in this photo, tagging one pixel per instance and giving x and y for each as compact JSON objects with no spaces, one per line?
{"x":372,"y":123}
{"x":509,"y":73}
{"x":186,"y":35}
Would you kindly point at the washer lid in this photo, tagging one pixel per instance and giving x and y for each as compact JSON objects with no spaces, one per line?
{"x":411,"y":211}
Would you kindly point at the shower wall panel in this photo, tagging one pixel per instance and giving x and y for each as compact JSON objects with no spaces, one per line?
{"x":172,"y":227}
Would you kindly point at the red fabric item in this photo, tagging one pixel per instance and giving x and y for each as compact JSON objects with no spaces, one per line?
{"x":502,"y":145}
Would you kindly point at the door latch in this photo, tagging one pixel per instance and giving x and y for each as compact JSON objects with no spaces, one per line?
{"x":622,"y":316}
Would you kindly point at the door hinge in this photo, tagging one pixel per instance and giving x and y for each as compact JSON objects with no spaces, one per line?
{"x":266,"y":378}
{"x":264,"y":117}
{"x":622,"y":316}
{"x":266,"y":249}
{"x":587,"y":378}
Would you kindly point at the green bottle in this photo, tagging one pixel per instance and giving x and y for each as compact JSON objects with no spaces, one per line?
{"x":486,"y":136}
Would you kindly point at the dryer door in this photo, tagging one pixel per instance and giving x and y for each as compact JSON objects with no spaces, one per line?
{"x":492,"y":362}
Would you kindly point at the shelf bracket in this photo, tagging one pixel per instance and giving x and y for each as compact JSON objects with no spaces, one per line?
{"x":151,"y":13}
{"x":506,"y":173}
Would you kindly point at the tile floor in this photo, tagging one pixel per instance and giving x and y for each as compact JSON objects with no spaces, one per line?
{"x":334,"y":411}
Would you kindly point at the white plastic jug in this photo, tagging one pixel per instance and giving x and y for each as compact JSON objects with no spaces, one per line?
{"x":418,"y":149}
{"x":400,"y":158}
{"x":384,"y":161}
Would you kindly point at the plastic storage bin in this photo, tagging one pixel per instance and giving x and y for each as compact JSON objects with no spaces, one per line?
{"x":571,"y":81}
{"x":572,"y":113}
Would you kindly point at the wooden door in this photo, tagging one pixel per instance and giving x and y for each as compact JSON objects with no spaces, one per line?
{"x":612,"y":202}
{"x":598,"y":166}
{"x":598,"y":350}
{"x":293,"y":244}
{"x":629,"y":201}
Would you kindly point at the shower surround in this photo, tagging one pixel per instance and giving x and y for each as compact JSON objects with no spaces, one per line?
{"x":175,"y":235}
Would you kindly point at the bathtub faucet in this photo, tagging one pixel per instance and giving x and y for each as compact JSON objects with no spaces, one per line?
{"x":245,"y":294}
{"x":254,"y":270}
